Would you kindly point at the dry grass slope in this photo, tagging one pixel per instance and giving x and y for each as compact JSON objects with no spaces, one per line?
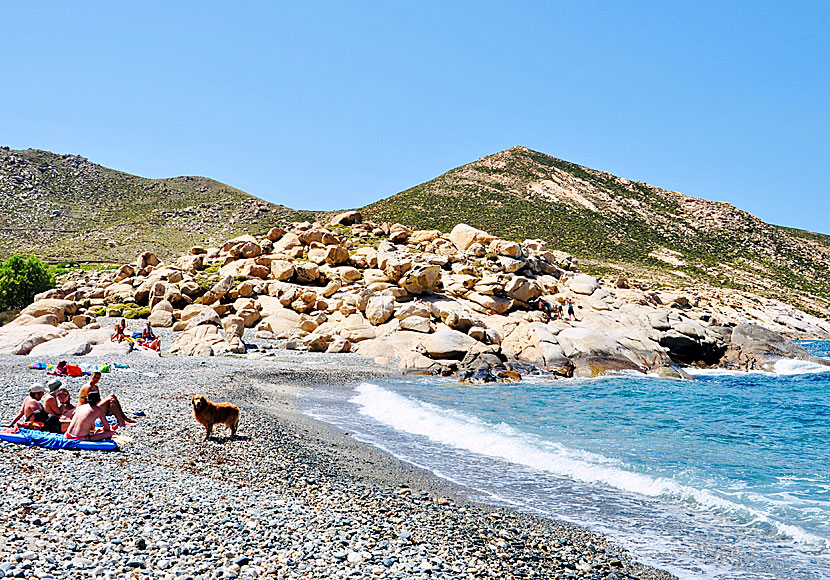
{"x":620,"y":225}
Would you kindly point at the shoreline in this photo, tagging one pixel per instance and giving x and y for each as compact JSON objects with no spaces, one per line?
{"x":357,"y":510}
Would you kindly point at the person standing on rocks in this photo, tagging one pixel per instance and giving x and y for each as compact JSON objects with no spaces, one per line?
{"x":31,"y":404}
{"x":109,"y":404}
{"x":82,"y":425}
{"x":571,"y":314}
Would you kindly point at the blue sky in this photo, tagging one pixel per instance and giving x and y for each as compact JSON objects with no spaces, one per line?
{"x":331,"y":105}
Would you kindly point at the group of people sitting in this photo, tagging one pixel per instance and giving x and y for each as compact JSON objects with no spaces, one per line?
{"x":556,"y":311}
{"x":147,"y":338}
{"x":49,"y":408}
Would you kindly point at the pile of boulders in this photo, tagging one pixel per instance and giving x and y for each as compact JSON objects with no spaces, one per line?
{"x":431,"y":301}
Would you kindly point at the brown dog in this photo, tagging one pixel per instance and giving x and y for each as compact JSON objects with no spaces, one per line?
{"x":210,"y":414}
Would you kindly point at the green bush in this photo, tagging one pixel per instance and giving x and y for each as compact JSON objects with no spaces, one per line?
{"x":133,"y":313}
{"x":21,"y":279}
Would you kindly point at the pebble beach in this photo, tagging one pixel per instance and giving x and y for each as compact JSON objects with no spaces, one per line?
{"x":289,"y":497}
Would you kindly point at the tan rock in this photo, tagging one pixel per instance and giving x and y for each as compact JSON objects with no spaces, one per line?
{"x":506,"y":248}
{"x":282,"y":269}
{"x":366,"y":257}
{"x":58,"y":308}
{"x":339,"y":344}
{"x":288,"y":242}
{"x":347,"y":218}
{"x":522,"y":289}
{"x":447,"y":344}
{"x":417,"y":324}
{"x":275,"y":234}
{"x":203,"y":340}
{"x":421,"y":279}
{"x":493,"y":304}
{"x":420,"y":236}
{"x":146,"y":259}
{"x":160,"y":318}
{"x":124,"y":272}
{"x":15,"y":339}
{"x":306,"y":272}
{"x":218,"y":291}
{"x":463,"y":236}
{"x":379,"y":309}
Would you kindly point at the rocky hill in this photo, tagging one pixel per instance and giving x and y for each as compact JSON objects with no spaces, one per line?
{"x":63,"y":207}
{"x":620,"y":226}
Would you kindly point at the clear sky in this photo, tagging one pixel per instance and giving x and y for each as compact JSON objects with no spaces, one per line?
{"x":332,"y":105}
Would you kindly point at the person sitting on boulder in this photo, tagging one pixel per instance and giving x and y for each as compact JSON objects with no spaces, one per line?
{"x":82,"y":425}
{"x":32,"y":408}
{"x":118,"y":335}
{"x":109,"y":404}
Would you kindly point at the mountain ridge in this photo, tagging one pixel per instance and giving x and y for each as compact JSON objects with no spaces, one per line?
{"x":64,"y":207}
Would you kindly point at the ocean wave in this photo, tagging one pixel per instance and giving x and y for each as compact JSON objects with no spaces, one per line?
{"x":469,"y":433}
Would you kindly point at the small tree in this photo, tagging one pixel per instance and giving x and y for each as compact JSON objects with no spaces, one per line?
{"x":21,"y":279}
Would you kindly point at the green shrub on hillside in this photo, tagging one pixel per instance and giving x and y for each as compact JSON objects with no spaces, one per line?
{"x":21,"y":279}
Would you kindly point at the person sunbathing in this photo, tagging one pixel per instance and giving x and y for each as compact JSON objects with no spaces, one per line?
{"x":120,"y":326}
{"x":60,"y":370}
{"x":54,"y":406}
{"x":147,"y":333}
{"x":109,"y":404}
{"x":82,"y":425}
{"x":32,"y":407}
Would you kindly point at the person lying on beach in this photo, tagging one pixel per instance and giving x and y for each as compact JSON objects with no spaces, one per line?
{"x":31,"y":404}
{"x":109,"y":404}
{"x":82,"y":425}
{"x":60,"y":370}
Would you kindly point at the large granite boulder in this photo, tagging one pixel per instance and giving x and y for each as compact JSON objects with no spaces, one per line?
{"x":22,"y":339}
{"x":755,"y":347}
{"x":202,"y":340}
{"x":447,"y":344}
{"x":464,"y":236}
{"x":379,"y":309}
{"x":421,"y":278}
{"x":58,"y":308}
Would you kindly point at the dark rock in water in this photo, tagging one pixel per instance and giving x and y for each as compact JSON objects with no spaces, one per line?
{"x":755,"y":347}
{"x":688,"y":349}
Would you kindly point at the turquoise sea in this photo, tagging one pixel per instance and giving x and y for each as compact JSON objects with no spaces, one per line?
{"x":723,"y":477}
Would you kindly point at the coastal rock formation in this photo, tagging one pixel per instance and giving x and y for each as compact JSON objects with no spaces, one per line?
{"x":432,"y":302}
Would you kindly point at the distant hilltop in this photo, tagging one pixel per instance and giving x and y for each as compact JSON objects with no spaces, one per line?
{"x":63,"y":207}
{"x":620,"y":225}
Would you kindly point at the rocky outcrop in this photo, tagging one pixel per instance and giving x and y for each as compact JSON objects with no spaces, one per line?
{"x":753,"y":347}
{"x":431,"y":302}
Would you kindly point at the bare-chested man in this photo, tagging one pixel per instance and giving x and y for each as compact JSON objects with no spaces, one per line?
{"x":109,"y":404}
{"x":82,"y":425}
{"x":31,"y":404}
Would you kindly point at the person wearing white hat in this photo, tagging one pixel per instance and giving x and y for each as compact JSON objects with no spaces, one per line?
{"x":31,"y":404}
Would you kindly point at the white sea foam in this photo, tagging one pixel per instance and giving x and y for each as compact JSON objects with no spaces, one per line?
{"x":784,"y":367}
{"x":469,"y":433}
{"x":799,"y":367}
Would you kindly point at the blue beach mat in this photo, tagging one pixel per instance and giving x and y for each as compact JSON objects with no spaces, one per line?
{"x":30,"y":438}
